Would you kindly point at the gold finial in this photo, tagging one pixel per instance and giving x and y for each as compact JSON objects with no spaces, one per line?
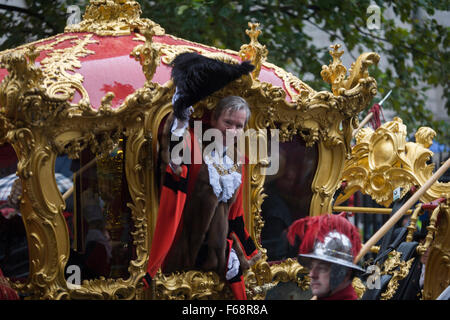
{"x":113,"y":18}
{"x":254,"y":32}
{"x":147,"y":54}
{"x":254,"y":51}
{"x":336,"y":54}
{"x":335,"y":72}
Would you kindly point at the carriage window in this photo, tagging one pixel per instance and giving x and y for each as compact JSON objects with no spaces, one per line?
{"x":288,"y":195}
{"x":101,"y":241}
{"x":14,"y":261}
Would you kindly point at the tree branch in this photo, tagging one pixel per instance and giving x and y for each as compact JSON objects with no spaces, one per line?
{"x":333,"y":35}
{"x":367,"y":34}
{"x":27,"y":12}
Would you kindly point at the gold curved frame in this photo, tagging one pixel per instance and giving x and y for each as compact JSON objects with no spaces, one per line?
{"x":48,"y":125}
{"x":437,"y":272}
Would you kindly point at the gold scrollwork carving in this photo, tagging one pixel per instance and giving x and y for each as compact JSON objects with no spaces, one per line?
{"x":431,"y":228}
{"x":24,"y":79}
{"x":43,"y":92}
{"x":189,"y":285}
{"x":58,"y":81}
{"x":437,"y":272}
{"x":169,"y":52}
{"x":113,"y":18}
{"x":359,"y":287}
{"x":336,"y":74}
{"x":382,"y":161}
{"x":399,"y":269}
{"x":148,"y":54}
{"x":263,"y":277}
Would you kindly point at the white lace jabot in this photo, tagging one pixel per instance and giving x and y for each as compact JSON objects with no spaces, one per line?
{"x":223,"y":176}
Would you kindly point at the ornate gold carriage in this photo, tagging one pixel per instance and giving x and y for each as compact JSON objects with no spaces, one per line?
{"x":100,"y":93}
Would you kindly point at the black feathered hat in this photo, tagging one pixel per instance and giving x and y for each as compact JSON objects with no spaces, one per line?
{"x":196,"y":77}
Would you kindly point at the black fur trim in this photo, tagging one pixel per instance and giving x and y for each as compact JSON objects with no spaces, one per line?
{"x":237,"y":277}
{"x":171,"y":183}
{"x":196,"y":77}
{"x":238,"y":227}
{"x":147,"y":280}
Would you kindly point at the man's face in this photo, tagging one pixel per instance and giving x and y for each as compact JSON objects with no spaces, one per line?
{"x":230,"y":121}
{"x":319,"y":272}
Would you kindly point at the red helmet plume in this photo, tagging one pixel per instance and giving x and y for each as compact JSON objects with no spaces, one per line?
{"x":312,"y":229}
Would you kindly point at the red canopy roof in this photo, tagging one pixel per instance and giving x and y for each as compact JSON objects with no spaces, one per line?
{"x":105,"y":63}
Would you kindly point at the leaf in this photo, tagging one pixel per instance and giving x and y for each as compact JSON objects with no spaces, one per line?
{"x":181,"y":9}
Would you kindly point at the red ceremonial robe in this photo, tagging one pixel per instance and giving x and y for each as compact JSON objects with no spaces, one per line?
{"x":175,"y":193}
{"x":348,"y":293}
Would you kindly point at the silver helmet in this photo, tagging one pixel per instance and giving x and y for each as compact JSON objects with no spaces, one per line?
{"x":336,"y":248}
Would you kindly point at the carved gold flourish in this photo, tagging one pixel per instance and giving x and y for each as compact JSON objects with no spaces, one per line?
{"x":189,"y":285}
{"x":359,"y":287}
{"x":147,"y":54}
{"x":43,"y":92}
{"x":382,"y":161}
{"x":431,"y":230}
{"x":113,"y":18}
{"x":254,"y":51}
{"x":301,"y":90}
{"x":138,"y":150}
{"x":58,"y":81}
{"x":263,"y":277}
{"x":399,"y":269}
{"x":437,"y":272}
{"x":336,"y":74}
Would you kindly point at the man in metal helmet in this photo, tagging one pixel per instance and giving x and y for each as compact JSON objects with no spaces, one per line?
{"x":327,"y":246}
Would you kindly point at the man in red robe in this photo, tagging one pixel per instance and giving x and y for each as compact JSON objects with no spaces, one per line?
{"x":201,"y":218}
{"x":200,"y":221}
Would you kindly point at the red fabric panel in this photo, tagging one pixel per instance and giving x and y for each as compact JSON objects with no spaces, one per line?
{"x":169,"y":215}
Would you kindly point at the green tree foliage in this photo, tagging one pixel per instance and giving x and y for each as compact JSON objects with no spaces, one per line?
{"x":416,"y":49}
